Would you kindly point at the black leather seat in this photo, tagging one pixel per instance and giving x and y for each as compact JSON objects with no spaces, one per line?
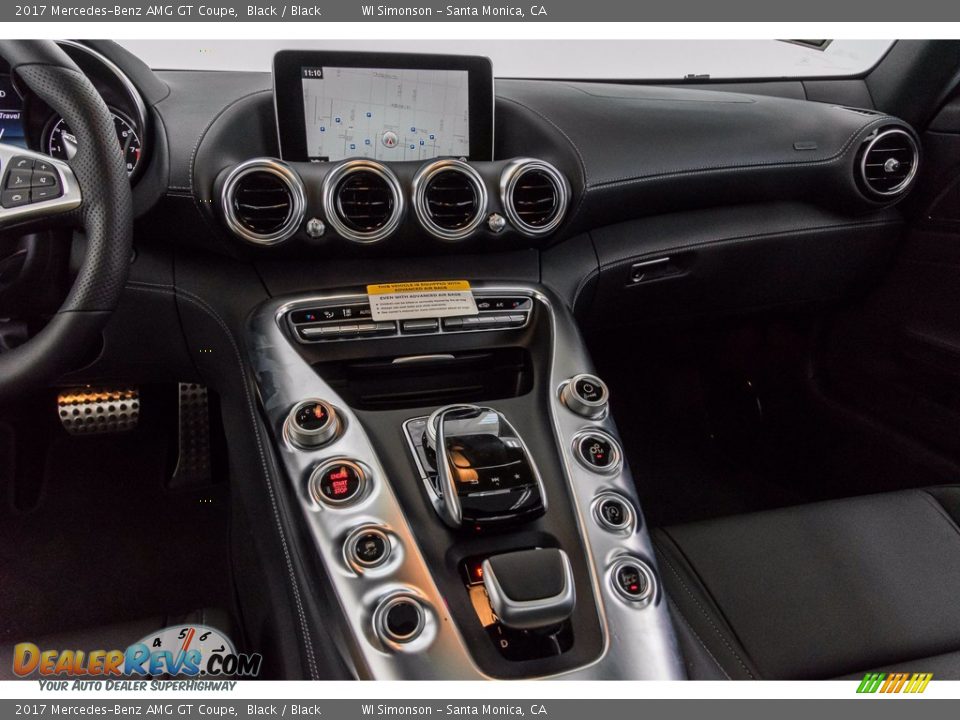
{"x":827,"y":590}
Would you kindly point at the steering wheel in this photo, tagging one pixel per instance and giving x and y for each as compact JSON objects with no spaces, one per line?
{"x":91,"y":193}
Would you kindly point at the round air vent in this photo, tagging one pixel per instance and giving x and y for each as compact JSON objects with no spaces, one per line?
{"x":534,"y":195}
{"x":450,"y":199}
{"x":363,"y":200}
{"x":263,"y":201}
{"x":888,"y":163}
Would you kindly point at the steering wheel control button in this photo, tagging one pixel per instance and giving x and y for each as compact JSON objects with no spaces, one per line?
{"x":598,"y":451}
{"x":632,"y":580}
{"x":400,"y":619}
{"x":586,"y":395}
{"x":14,"y":198}
{"x":18,"y":179}
{"x":39,"y":194}
{"x":367,"y":547}
{"x":312,"y":423}
{"x":22,"y":163}
{"x":614,"y":513}
{"x":338,"y":483}
{"x":42,"y":179}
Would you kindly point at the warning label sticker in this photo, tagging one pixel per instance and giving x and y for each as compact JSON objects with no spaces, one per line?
{"x":408,"y":300}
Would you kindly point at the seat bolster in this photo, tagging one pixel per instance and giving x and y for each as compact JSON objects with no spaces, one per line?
{"x":710,"y":647}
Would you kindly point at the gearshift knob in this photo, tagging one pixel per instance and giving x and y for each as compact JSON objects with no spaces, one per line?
{"x":530,"y":588}
{"x":485,"y":474}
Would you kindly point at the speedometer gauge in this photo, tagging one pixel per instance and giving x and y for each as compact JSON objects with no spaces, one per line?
{"x":62,"y":143}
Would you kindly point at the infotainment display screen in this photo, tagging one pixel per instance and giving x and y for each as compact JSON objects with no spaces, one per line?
{"x":384,"y":106}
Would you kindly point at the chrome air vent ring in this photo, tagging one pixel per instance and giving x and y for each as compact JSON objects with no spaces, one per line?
{"x":426,"y":186}
{"x":888,"y":163}
{"x":335,"y":186}
{"x":240,"y":216}
{"x":546,"y":176}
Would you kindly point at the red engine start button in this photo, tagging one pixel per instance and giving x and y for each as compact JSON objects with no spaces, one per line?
{"x":338,"y":482}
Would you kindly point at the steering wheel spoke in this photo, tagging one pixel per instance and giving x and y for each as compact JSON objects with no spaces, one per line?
{"x":34,"y":188}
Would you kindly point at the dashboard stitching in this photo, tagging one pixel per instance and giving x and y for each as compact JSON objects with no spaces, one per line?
{"x":206,"y":129}
{"x":845,"y":148}
{"x":811,"y":230}
{"x":202,"y":305}
{"x":214,"y":227}
{"x":581,"y":162}
{"x":583,"y":284}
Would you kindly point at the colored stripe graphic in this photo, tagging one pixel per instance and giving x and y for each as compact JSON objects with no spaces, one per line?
{"x":871,"y":682}
{"x":913,"y":683}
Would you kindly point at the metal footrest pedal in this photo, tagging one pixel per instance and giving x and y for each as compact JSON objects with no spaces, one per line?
{"x":99,"y":411}
{"x":193,"y":459}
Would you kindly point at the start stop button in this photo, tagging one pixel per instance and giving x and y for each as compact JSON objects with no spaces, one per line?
{"x":338,"y":482}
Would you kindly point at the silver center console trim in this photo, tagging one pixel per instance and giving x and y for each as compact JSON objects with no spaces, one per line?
{"x":638,"y":642}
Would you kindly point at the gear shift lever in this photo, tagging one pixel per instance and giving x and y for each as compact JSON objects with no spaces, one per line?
{"x":484,"y":473}
{"x":530,"y":589}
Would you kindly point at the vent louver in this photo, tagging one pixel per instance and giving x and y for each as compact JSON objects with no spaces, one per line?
{"x":450,"y":199}
{"x":888,"y":163}
{"x":535,"y":196}
{"x":363,"y":200}
{"x":263,"y":201}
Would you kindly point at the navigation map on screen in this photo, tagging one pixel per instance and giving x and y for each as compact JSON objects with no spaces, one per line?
{"x":385,"y":113}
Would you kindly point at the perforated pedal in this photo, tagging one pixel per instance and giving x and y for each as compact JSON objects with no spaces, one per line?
{"x":98,"y":411}
{"x":193,"y":460}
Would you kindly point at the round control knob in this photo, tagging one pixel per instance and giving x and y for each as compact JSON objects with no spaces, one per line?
{"x":632,"y":580}
{"x":312,"y":423}
{"x":598,"y":451}
{"x":400,"y":618}
{"x":337,"y":482}
{"x":586,"y":395}
{"x":614,"y":513}
{"x":367,"y":547}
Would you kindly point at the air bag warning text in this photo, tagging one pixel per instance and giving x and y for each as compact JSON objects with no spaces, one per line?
{"x":405,"y":301}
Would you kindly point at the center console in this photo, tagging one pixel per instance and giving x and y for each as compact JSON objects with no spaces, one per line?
{"x":460,"y":477}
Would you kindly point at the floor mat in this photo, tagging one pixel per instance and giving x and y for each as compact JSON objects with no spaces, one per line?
{"x":105,"y":541}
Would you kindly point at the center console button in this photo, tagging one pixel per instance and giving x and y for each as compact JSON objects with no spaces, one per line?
{"x":312,"y":423}
{"x":420,"y":326}
{"x":338,"y":482}
{"x":613,"y":512}
{"x":400,"y":618}
{"x":586,"y":395}
{"x":633,"y":580}
{"x":367,"y":547}
{"x":598,"y":451}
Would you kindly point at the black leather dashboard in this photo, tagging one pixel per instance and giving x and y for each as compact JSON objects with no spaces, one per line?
{"x":636,"y":151}
{"x":727,"y":182}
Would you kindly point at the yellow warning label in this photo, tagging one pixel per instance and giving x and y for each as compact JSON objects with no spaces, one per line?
{"x":419,"y":287}
{"x":411,"y":300}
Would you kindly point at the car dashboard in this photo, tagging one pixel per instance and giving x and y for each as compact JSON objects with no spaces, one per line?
{"x":504,"y":219}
